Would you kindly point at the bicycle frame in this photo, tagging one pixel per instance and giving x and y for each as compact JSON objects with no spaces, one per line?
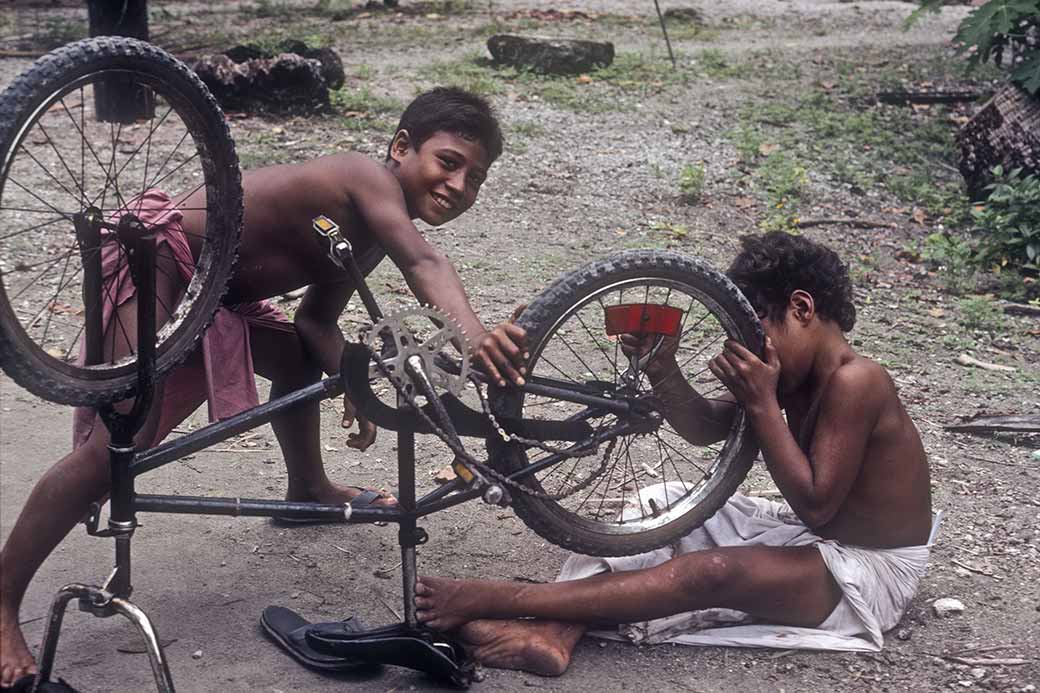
{"x":127,"y":464}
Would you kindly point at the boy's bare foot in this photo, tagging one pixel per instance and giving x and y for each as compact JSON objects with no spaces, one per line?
{"x":443,"y":604}
{"x":540,"y":647}
{"x":335,"y":494}
{"x":15,"y":659}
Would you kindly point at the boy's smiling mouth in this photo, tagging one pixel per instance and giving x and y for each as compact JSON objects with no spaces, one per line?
{"x":443,"y":201}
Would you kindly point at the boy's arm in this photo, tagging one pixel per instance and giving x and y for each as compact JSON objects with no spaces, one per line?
{"x":817,"y":485}
{"x":699,"y":420}
{"x":432,"y":278}
{"x":317,"y":324}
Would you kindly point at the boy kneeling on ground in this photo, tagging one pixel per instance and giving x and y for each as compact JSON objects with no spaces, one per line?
{"x":832,"y":568}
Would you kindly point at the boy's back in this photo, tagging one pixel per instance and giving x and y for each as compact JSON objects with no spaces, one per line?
{"x":279,"y":250}
{"x":889,"y":501}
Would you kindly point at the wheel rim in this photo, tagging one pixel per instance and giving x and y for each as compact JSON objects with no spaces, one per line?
{"x":61,"y":161}
{"x":576,"y":349}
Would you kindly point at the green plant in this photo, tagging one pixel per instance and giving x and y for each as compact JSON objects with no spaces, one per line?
{"x":691,"y":183}
{"x":1010,"y":222}
{"x":979,"y":313}
{"x":1005,"y":32}
{"x":952,"y":255}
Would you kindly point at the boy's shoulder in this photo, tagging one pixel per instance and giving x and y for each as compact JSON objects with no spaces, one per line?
{"x":861,"y":381}
{"x":349,"y":165}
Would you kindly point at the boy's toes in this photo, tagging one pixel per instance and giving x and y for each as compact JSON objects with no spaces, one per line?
{"x":422,"y":588}
{"x":423,"y":603}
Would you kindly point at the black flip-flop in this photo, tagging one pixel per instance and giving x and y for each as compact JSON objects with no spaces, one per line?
{"x":366,"y":499}
{"x":289,"y":630}
{"x":399,"y":645}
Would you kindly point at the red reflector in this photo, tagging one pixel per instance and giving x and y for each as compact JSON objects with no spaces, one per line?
{"x":642,"y":318}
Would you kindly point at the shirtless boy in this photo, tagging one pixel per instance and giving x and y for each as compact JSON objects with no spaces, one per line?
{"x":436,"y":163}
{"x":847,"y":459}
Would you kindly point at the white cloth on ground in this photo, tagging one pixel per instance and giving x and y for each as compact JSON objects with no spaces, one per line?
{"x":877,"y":584}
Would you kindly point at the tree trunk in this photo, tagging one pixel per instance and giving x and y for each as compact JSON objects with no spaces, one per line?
{"x":120,"y":100}
{"x":1006,"y":131}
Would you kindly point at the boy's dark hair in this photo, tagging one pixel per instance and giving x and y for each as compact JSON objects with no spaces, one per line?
{"x":772,"y":266}
{"x":454,"y":110}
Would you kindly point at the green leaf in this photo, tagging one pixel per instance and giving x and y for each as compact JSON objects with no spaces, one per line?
{"x":987,"y":26}
{"x":1027,"y":74}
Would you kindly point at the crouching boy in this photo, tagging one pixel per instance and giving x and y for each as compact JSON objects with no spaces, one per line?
{"x":831,"y":568}
{"x":438,"y":160}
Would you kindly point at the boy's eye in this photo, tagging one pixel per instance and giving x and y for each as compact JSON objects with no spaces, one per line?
{"x":449,"y":164}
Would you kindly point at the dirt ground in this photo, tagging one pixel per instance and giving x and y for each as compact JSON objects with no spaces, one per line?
{"x":593,"y":167}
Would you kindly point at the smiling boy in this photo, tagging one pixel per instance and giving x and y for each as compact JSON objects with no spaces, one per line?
{"x":832,"y":568}
{"x":436,"y":163}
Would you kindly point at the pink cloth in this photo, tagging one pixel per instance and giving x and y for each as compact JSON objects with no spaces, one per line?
{"x":226,"y":376}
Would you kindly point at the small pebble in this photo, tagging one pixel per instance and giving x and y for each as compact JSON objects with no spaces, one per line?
{"x":978,"y":672}
{"x":904,"y":634}
{"x":947,"y":607}
{"x":197,"y":654}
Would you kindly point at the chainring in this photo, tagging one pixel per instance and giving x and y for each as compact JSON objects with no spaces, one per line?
{"x":422,"y":332}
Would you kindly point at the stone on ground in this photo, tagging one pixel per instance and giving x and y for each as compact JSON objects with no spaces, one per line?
{"x":550,"y":55}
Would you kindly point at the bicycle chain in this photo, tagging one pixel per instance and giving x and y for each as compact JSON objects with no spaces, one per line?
{"x":484,"y":469}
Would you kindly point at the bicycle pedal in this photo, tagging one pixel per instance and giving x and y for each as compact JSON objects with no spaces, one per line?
{"x":462,"y":471}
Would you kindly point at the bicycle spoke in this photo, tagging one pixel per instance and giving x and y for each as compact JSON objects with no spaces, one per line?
{"x":78,"y":184}
{"x":40,"y":199}
{"x":680,"y":453}
{"x":611,"y":364}
{"x":84,"y":141}
{"x":47,"y":171}
{"x":61,"y":285}
{"x":154,"y":183}
{"x":40,"y":275}
{"x":33,"y":228}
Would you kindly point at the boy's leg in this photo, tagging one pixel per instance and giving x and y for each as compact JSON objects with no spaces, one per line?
{"x":62,"y":497}
{"x":784,"y":585}
{"x":279,"y":356}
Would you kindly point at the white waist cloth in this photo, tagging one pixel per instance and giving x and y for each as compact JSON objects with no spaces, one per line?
{"x":877,"y":584}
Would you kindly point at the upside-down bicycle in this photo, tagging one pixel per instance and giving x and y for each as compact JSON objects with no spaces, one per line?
{"x":91,"y":126}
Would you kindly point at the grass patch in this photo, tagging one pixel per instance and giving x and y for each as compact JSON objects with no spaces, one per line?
{"x":909,"y":154}
{"x":691,"y":183}
{"x":364,"y":110}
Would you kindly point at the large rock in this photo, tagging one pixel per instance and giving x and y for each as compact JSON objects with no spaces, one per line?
{"x":551,"y":55}
{"x":331,"y":64}
{"x":287,"y":83}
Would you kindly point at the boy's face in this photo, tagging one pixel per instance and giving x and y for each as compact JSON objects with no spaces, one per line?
{"x":793,"y":338}
{"x":442,"y":177}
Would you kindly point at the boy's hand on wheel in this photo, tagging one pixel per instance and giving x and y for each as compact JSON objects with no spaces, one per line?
{"x":752,"y":381}
{"x":502,"y":352}
{"x":366,"y":433}
{"x":663,"y":361}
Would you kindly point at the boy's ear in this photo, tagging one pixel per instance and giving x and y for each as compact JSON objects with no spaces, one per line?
{"x":802,"y":306}
{"x":402,"y":142}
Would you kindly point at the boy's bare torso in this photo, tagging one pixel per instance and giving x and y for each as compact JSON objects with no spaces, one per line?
{"x":889,"y":503}
{"x":279,"y":250}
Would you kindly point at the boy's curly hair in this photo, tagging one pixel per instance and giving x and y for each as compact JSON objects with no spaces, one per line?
{"x":772,"y":266}
{"x":454,"y":110}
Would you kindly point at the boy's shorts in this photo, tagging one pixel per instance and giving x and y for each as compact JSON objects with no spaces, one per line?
{"x":877,"y":584}
{"x":225,"y":377}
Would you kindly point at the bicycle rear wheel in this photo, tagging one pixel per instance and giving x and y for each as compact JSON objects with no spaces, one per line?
{"x":654,"y":487}
{"x":86,"y":131}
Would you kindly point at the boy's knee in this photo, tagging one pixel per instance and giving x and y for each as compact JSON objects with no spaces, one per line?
{"x":710,"y":572}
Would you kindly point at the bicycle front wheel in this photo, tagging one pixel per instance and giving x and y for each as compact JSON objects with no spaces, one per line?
{"x":651,"y":487}
{"x":84,"y":133}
